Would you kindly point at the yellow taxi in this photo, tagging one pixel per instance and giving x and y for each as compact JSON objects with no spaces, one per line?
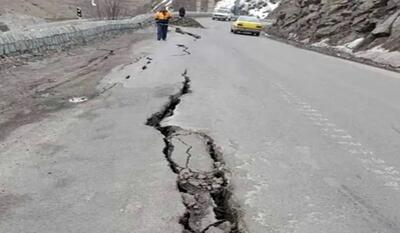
{"x":247,"y":24}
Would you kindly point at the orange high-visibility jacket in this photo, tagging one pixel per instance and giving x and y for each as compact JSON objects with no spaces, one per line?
{"x":163,"y":17}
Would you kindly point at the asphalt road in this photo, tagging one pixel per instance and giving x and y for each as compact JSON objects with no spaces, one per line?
{"x":311,"y":141}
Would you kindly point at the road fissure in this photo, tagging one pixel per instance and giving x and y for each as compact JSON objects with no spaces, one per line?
{"x":180,"y":31}
{"x":206,"y":195}
{"x":185,"y":49}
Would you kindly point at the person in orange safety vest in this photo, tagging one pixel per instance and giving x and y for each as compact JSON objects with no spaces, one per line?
{"x":162,"y":18}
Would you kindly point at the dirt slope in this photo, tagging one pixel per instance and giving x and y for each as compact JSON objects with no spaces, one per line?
{"x":61,"y":9}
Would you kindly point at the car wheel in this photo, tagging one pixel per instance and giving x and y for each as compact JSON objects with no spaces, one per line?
{"x":257,"y":34}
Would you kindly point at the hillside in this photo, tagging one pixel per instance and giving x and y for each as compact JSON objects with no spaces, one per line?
{"x":64,"y":9}
{"x":260,"y":8}
{"x":368,"y":22}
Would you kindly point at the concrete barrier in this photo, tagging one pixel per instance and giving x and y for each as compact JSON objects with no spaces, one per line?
{"x":62,"y":35}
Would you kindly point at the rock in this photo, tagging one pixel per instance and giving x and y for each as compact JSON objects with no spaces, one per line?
{"x":195,"y":183}
{"x":226,"y":227}
{"x":369,"y":5}
{"x":214,"y":230}
{"x":215,"y":186}
{"x":313,"y":8}
{"x":392,"y":4}
{"x":384,"y":28}
{"x":307,"y":21}
{"x":218,"y":180}
{"x":336,"y":8}
{"x":379,"y":13}
{"x":360,"y":18}
{"x":396,"y":28}
{"x":188,"y":200}
{"x":346,"y":13}
{"x":325,"y":31}
{"x":185,"y":174}
{"x":3,"y":27}
{"x":201,"y":214}
{"x":365,"y":27}
{"x":339,"y":21}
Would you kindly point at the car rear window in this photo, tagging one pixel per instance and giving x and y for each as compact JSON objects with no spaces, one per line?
{"x":248,"y":18}
{"x":223,"y":11}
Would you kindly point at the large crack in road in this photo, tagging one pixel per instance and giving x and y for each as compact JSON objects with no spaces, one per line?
{"x":180,"y":31}
{"x":207,"y":194}
{"x":185,"y":49}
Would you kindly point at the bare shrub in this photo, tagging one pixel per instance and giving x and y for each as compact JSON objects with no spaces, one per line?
{"x":112,"y":9}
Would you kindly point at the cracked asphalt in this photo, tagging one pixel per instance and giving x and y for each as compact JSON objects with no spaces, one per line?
{"x":308,"y":144}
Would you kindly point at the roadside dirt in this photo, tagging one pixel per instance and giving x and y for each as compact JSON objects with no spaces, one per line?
{"x":30,"y":90}
{"x":186,"y":22}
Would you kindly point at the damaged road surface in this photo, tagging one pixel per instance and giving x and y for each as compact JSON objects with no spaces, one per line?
{"x":203,"y":182}
{"x":219,"y":138}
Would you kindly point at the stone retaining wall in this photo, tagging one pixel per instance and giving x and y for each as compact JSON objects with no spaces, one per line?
{"x":59,"y":36}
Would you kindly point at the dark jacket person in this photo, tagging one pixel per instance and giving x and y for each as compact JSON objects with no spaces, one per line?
{"x":182,"y":12}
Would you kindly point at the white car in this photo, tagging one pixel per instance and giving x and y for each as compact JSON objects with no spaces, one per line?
{"x":223,"y":14}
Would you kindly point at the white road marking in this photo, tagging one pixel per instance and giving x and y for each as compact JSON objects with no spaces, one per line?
{"x":388,"y":174}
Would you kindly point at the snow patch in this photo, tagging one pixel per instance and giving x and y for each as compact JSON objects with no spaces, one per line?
{"x":349,"y":47}
{"x":263,"y":12}
{"x":381,"y":55}
{"x":77,"y":100}
{"x":230,"y":4}
{"x":322,"y":44}
{"x":259,"y":8}
{"x":376,"y":54}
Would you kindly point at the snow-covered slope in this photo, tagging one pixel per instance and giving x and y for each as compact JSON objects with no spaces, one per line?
{"x":260,"y":8}
{"x":225,"y":4}
{"x":263,"y":8}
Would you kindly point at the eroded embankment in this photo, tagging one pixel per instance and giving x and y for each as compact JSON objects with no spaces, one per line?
{"x":207,"y":193}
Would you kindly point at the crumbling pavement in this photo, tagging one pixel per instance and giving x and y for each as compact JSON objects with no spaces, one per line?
{"x":180,"y":31}
{"x":202,"y":176}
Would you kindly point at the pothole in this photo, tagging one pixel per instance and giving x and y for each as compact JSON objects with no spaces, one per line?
{"x":202,"y":176}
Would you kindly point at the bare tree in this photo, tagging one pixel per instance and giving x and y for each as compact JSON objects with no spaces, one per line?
{"x":111,"y":9}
